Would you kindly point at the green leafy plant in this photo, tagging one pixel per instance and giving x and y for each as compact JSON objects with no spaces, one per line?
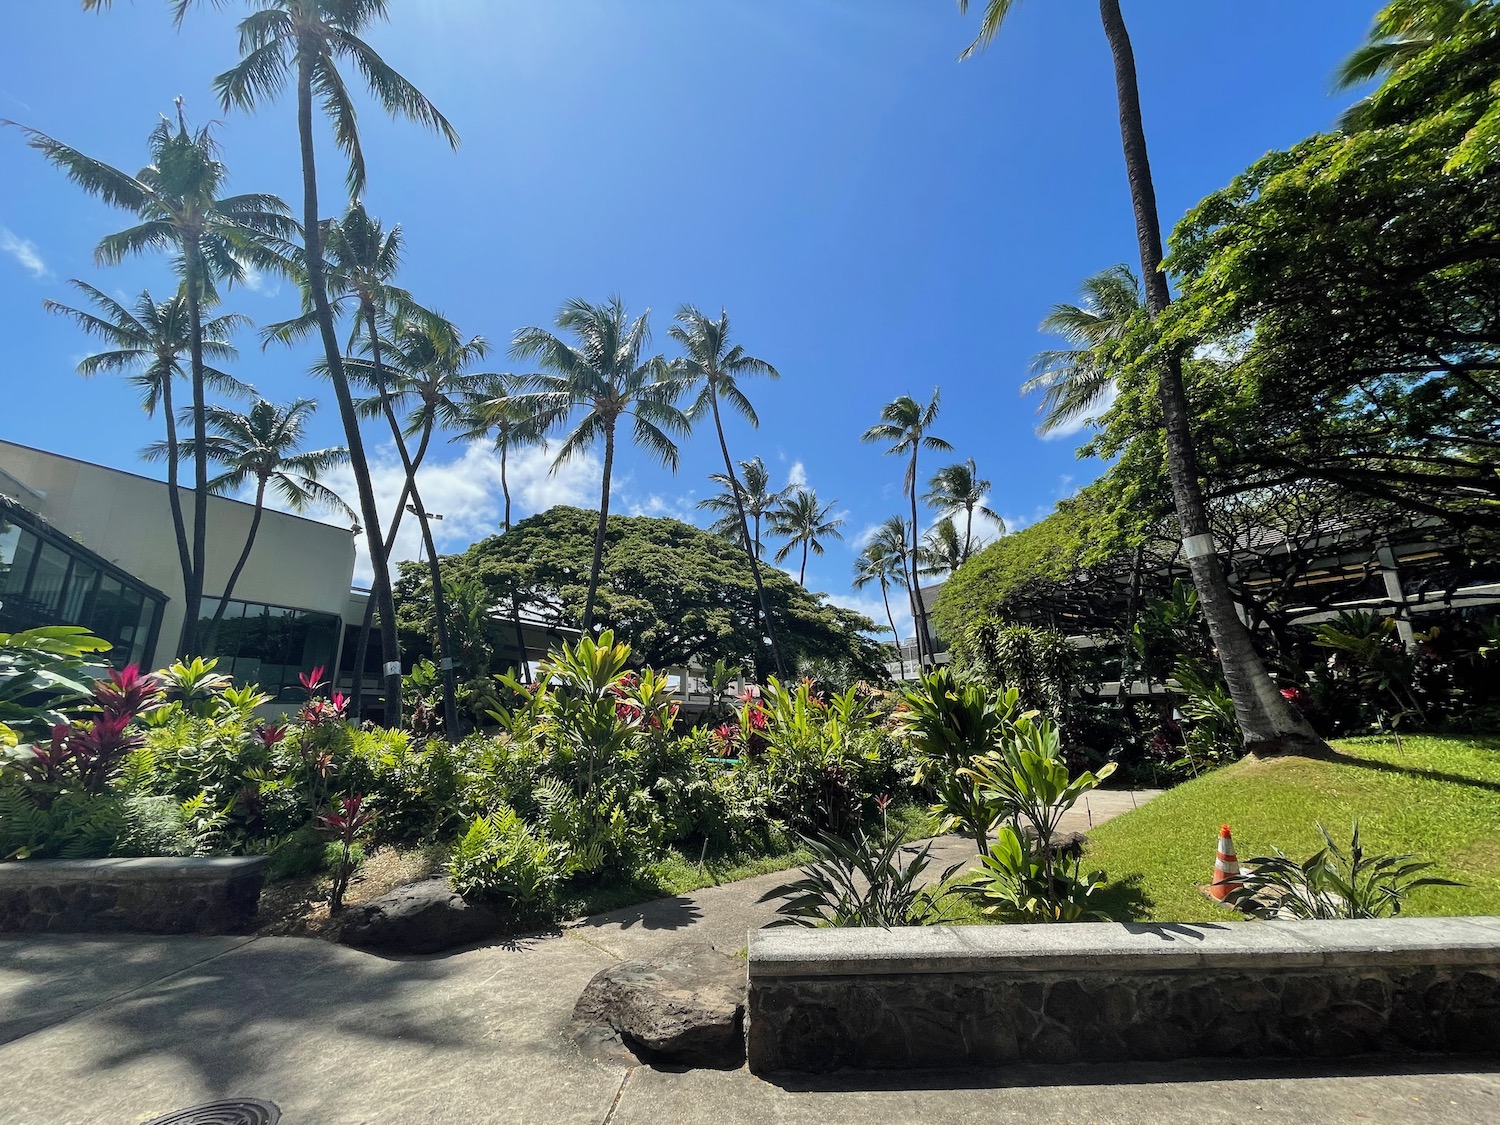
{"x":1371,"y":645}
{"x":41,"y":672}
{"x":1027,"y":783}
{"x":1332,"y":882}
{"x":866,"y":880}
{"x":1016,"y":883}
{"x":500,"y":860}
{"x":949,"y":722}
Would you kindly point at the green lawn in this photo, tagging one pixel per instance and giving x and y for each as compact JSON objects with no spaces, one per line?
{"x":1435,"y":797}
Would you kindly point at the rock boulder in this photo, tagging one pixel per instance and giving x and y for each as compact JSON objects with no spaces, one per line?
{"x":686,"y":1007}
{"x":425,"y":917}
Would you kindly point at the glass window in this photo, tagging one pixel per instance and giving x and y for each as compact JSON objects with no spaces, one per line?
{"x":271,"y":645}
{"x":19,"y":547}
{"x":80,"y":590}
{"x":145,"y":625}
{"x":47,"y":580}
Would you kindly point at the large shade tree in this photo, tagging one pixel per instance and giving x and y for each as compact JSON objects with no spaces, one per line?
{"x":677,"y":593}
{"x":713,"y":365}
{"x":213,"y":238}
{"x":1266,"y":719}
{"x":302,"y":44}
{"x":905,"y":429}
{"x":600,"y":378}
{"x":263,"y":447}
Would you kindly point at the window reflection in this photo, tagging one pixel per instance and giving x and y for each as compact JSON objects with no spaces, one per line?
{"x":271,"y":645}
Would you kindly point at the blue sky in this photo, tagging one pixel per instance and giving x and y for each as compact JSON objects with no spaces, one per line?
{"x":878,"y":218}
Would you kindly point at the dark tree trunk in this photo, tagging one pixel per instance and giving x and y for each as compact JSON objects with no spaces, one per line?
{"x":409,"y":489}
{"x":885,"y":596}
{"x":192,"y":595}
{"x":313,"y":240}
{"x":239,"y":566}
{"x":523,"y":663}
{"x":174,"y":498}
{"x":919,"y":611}
{"x":1267,"y":721}
{"x":609,"y":465}
{"x":753,"y":550}
{"x":802,"y":573}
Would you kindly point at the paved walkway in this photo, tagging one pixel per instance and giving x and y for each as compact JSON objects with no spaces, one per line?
{"x":97,"y":1030}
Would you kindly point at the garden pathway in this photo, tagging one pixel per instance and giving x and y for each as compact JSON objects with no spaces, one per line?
{"x":116,"y":1030}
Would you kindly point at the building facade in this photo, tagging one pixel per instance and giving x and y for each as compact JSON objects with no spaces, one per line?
{"x":87,"y":545}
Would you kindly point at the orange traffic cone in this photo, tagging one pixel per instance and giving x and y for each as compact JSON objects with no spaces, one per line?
{"x":1226,"y":868}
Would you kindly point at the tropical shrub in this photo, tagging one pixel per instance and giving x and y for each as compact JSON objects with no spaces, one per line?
{"x":1027,"y":783}
{"x":502,"y":861}
{"x":950,"y":721}
{"x":41,"y":672}
{"x":1332,"y":883}
{"x":865,"y":880}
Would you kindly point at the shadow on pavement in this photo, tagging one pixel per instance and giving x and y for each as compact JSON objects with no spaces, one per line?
{"x":1024,"y":1075}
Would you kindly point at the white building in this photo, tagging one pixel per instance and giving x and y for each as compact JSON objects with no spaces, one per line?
{"x":87,"y":545}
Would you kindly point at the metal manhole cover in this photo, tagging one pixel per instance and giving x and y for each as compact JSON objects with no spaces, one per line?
{"x":239,"y":1111}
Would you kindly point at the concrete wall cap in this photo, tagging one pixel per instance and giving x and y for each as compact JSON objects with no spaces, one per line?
{"x":198,"y":869}
{"x":1121,"y":947}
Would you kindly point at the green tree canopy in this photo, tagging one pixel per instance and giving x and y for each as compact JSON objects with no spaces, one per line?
{"x":674,"y":591}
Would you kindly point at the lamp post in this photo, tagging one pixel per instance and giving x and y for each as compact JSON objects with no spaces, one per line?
{"x":422,"y":545}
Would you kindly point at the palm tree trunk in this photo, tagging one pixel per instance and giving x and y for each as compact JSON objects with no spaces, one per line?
{"x":504,"y":479}
{"x":802,"y":573}
{"x":439,"y":601}
{"x":192,"y":599}
{"x":313,"y":240}
{"x":1267,"y":721}
{"x":751,"y":550}
{"x":924,"y":644}
{"x":239,"y":566}
{"x":609,"y":464}
{"x":362,"y":647}
{"x":889,"y":616}
{"x":174,"y":499}
{"x":757,"y":536}
{"x":968,"y":533}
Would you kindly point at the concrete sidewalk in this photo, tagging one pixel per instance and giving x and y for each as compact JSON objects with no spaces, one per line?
{"x":120,"y":1030}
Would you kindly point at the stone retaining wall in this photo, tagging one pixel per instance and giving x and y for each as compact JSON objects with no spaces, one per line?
{"x":193,"y":895}
{"x":986,"y":995}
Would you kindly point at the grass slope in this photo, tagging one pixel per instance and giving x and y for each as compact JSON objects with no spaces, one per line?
{"x":1434,"y":797}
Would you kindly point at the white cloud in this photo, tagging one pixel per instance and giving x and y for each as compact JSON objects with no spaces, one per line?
{"x":255,"y":281}
{"x":869,"y":603}
{"x":796,"y":476}
{"x":654,"y":504}
{"x":466,"y":492}
{"x":24,"y":251}
{"x":1077,"y":425}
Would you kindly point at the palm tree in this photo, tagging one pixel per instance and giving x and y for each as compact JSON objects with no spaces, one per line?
{"x":804,"y":523}
{"x":213,"y":238}
{"x":892,"y":542}
{"x":903,"y":426}
{"x":423,"y":370}
{"x":495,"y":407}
{"x":1402,"y":31}
{"x":303,"y":41}
{"x":942,"y":549}
{"x":960,"y":486}
{"x":876,"y":563}
{"x":1266,"y":718}
{"x":715,"y":365}
{"x":150,"y":344}
{"x":261,"y":445}
{"x":755,"y":496}
{"x":605,"y":378}
{"x":361,"y":260}
{"x":1076,"y":381}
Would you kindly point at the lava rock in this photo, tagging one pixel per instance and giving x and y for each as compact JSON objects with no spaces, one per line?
{"x":685,"y":1008}
{"x":425,"y":917}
